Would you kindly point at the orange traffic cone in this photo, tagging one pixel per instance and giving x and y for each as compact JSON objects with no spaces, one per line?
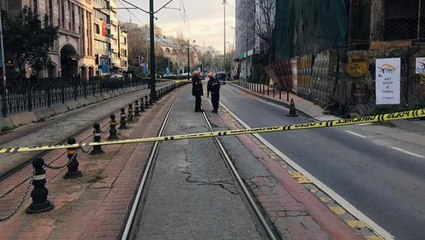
{"x":292,"y":110}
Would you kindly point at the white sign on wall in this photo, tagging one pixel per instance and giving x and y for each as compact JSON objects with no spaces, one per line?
{"x":388,"y":72}
{"x":420,"y":65}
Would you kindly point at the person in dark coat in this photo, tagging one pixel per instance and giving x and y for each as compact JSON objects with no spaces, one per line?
{"x":213,"y":87}
{"x":197,"y":91}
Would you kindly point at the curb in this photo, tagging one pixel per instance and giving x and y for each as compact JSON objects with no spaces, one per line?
{"x":275,"y":101}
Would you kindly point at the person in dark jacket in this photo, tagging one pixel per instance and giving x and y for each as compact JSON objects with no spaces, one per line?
{"x":197,"y":91}
{"x":214,"y":88}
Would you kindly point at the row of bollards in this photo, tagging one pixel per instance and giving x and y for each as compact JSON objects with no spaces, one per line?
{"x":39,"y":193}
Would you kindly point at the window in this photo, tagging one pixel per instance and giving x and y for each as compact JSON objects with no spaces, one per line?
{"x":70,"y":24}
{"x":36,"y":6}
{"x":51,"y":11}
{"x":62,"y":15}
{"x":96,"y":28}
{"x":402,"y":20}
{"x":102,"y":16}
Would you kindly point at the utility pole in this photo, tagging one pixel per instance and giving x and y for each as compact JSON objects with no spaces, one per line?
{"x":247,"y":48}
{"x":152,"y":50}
{"x":188,"y":60}
{"x":224,"y":58}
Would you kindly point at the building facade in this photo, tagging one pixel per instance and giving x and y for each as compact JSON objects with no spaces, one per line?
{"x":123,"y":49}
{"x":72,"y":53}
{"x":245,"y":37}
{"x":89,"y":36}
{"x":102,"y":33}
{"x":331,"y":59}
{"x":251,"y":23}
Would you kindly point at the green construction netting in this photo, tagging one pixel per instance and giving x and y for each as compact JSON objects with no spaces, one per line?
{"x":309,"y":26}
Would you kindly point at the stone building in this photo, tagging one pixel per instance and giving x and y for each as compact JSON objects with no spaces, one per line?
{"x":102,"y":34}
{"x":330,"y":58}
{"x":72,"y":53}
{"x":123,"y":49}
{"x":90,"y":42}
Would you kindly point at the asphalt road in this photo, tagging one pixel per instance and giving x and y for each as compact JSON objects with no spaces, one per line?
{"x":386,"y":185}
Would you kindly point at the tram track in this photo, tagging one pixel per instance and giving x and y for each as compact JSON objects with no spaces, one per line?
{"x":135,"y":215}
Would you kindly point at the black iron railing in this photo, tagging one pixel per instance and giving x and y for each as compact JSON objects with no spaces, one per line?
{"x":29,"y":94}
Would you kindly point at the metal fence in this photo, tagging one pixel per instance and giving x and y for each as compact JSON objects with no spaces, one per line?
{"x":26,"y":95}
{"x":405,"y":20}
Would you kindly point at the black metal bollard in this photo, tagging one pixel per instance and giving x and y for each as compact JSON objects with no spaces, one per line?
{"x":73,"y":163}
{"x":123,"y":120}
{"x":40,"y":192}
{"x":151,"y":100}
{"x":146,"y":102}
{"x":130,"y":113}
{"x":113,"y":128}
{"x":142,"y":105}
{"x":97,"y":133}
{"x":136,"y":108}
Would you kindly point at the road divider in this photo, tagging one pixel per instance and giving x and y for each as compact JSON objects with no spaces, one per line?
{"x":302,"y":126}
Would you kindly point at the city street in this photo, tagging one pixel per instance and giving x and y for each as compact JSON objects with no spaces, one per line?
{"x":210,"y":120}
{"x":384,"y":184}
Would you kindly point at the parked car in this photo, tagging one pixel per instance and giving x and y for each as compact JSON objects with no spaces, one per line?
{"x":116,"y":80}
{"x":221,"y":77}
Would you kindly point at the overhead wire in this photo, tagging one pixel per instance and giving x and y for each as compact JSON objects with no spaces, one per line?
{"x":186,"y":19}
{"x":165,"y":5}
{"x":137,"y":18}
{"x":141,"y":9}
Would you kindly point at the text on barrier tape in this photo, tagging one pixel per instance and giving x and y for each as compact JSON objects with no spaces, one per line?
{"x":312,"y":125}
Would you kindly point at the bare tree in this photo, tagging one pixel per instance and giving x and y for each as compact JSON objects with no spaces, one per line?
{"x":138,"y":42}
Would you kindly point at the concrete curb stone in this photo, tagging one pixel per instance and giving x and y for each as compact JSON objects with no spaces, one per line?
{"x":6,"y":122}
{"x":59,"y":108}
{"x":83,"y":101}
{"x":73,"y":105}
{"x":106,"y":95}
{"x":92,"y":100}
{"x":43,"y":113}
{"x":100,"y":98}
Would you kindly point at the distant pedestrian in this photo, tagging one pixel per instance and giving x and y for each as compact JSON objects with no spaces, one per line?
{"x":197,"y":91}
{"x":213,"y":87}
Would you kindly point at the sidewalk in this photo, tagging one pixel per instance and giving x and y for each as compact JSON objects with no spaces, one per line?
{"x":40,"y":114}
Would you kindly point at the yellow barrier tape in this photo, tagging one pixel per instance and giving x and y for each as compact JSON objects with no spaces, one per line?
{"x":312,"y":125}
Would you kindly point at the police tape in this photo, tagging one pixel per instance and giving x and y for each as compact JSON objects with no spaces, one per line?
{"x":302,"y":126}
{"x":177,"y":80}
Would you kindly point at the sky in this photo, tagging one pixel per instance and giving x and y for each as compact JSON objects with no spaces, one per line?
{"x":204,"y":22}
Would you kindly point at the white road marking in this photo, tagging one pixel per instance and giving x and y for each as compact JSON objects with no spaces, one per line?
{"x":406,"y":152}
{"x":335,"y":196}
{"x":355,"y":134}
{"x":365,"y":124}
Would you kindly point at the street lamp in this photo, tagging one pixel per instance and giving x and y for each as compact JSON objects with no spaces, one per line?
{"x":188,"y":58}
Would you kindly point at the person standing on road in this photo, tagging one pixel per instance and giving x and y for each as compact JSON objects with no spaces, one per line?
{"x":197,"y":91}
{"x":213,"y":87}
